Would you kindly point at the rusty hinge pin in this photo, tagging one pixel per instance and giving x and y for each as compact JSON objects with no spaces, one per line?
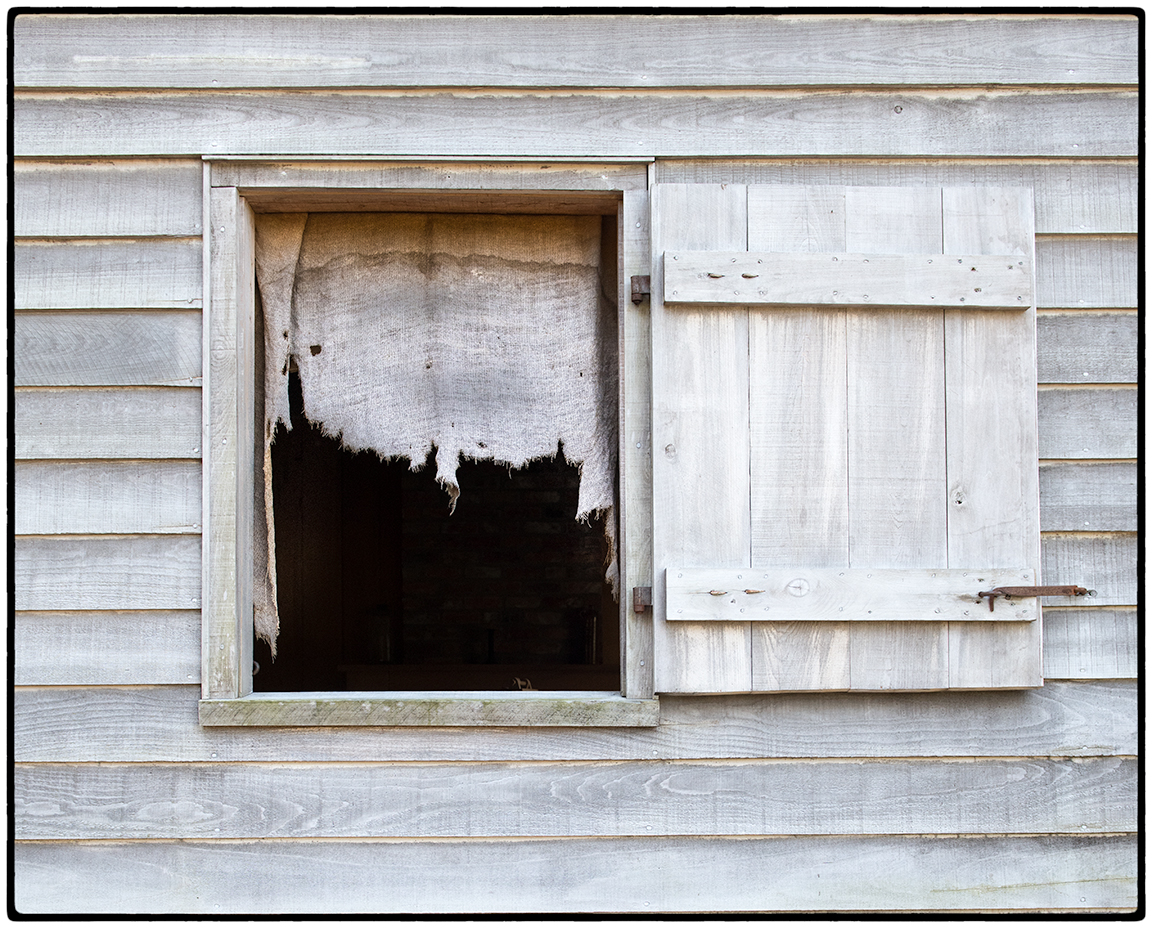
{"x":641,"y":288}
{"x":641,"y":598}
{"x":1010,"y":592}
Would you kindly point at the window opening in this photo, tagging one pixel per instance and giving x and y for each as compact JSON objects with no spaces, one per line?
{"x":385,"y":582}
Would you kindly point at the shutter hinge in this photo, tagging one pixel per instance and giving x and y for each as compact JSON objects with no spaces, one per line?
{"x":641,"y":598}
{"x":1010,"y":592}
{"x":641,"y":287}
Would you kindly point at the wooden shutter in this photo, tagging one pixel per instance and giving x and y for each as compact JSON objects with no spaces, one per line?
{"x":844,"y":452}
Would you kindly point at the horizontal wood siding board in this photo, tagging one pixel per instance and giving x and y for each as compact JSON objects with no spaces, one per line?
{"x":107,"y":497}
{"x":544,"y":177}
{"x":134,"y":572}
{"x":108,"y":198}
{"x":156,"y":273}
{"x":1081,"y":644}
{"x":1087,"y":422}
{"x":1098,"y":497}
{"x":80,"y":348}
{"x":1074,"y":271}
{"x":554,"y":51}
{"x":1102,"y":562}
{"x":107,"y":648}
{"x":579,"y":124}
{"x":151,"y":724}
{"x":1071,"y":196}
{"x":544,"y":709}
{"x":1088,"y":347}
{"x":646,"y":875}
{"x":136,"y":422}
{"x":1026,"y":796}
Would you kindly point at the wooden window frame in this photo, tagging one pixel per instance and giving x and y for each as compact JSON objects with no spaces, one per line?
{"x":234,"y":190}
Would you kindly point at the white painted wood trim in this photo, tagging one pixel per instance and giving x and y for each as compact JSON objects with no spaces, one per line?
{"x":930,"y":281}
{"x":844,"y":595}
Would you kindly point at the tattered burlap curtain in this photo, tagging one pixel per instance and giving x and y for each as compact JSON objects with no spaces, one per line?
{"x":488,"y":337}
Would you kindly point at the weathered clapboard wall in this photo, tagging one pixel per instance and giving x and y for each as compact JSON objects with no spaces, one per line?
{"x":1014,"y":801}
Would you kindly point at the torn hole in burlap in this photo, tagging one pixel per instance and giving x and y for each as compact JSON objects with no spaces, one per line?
{"x":486,"y":337}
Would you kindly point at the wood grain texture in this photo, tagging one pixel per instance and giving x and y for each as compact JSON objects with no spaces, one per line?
{"x":554,"y":51}
{"x":1096,"y":497}
{"x":106,"y":198}
{"x":990,"y":375}
{"x":77,"y":348}
{"x":107,"y":648}
{"x":484,"y":709}
{"x":636,"y":442}
{"x":261,"y":178}
{"x":144,"y":724}
{"x":1086,"y":271}
{"x":1093,"y":347}
{"x":107,"y":498}
{"x":596,"y":202}
{"x":155,"y":273}
{"x":806,"y":594}
{"x":700,"y":480}
{"x":229,"y":462}
{"x":972,"y":281}
{"x":135,"y":572}
{"x":1025,"y":796}
{"x":799,"y":436}
{"x":996,"y":123}
{"x":628,"y":875}
{"x":136,"y":422}
{"x":1072,"y":271}
{"x":1087,"y":422}
{"x":1105,"y":563}
{"x":1081,"y":644}
{"x":896,"y":416}
{"x":798,"y":425}
{"x":1071,"y":196}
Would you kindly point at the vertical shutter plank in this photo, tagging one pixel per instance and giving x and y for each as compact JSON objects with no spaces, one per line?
{"x":797,"y":412}
{"x":700,"y":482}
{"x":993,"y":508}
{"x":897,"y":489}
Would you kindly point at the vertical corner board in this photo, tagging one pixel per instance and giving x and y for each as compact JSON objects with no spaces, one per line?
{"x":844,"y":595}
{"x":826,"y":278}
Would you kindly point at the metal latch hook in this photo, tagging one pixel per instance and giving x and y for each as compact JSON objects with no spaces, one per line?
{"x":1011,"y":592}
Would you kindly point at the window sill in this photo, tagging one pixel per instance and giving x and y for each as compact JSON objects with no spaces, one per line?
{"x":475,"y":708}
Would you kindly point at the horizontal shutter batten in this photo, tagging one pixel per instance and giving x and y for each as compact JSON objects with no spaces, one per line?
{"x":844,"y":595}
{"x":839,"y":279}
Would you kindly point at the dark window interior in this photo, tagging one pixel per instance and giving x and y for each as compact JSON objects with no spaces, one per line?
{"x":380,"y":588}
